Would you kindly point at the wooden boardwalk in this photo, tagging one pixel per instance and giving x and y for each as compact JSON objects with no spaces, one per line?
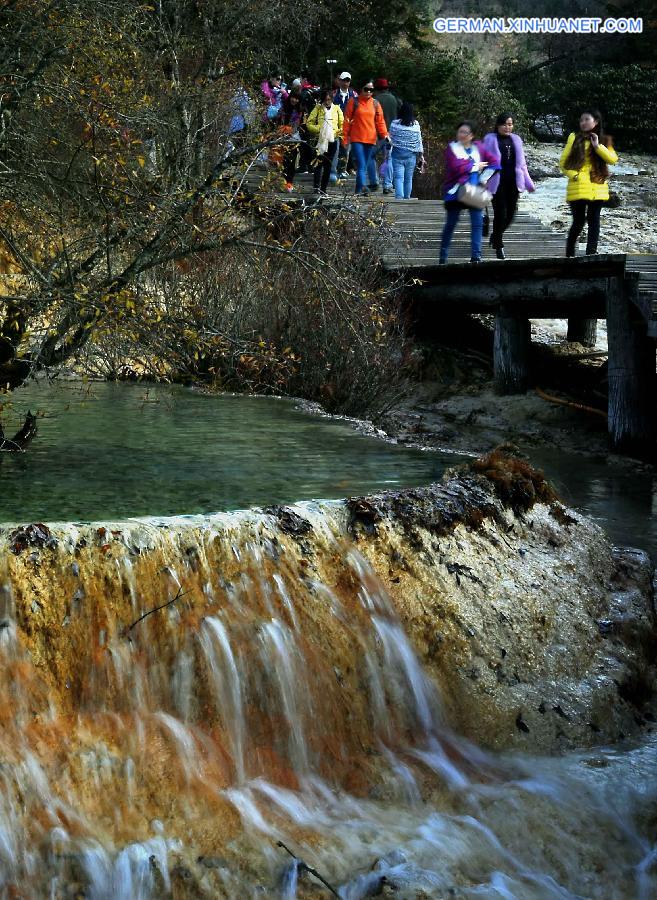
{"x":417,"y":225}
{"x":535,"y":281}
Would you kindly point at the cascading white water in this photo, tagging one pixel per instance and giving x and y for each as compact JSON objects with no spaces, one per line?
{"x":267,"y":705}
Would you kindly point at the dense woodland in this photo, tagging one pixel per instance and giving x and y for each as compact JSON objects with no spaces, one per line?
{"x":127,"y":244}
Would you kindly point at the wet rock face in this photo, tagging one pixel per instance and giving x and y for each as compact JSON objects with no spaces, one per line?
{"x":159,"y":677}
{"x":539,"y":633}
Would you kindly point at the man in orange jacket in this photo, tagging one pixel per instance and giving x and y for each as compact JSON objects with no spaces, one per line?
{"x":364,"y":124}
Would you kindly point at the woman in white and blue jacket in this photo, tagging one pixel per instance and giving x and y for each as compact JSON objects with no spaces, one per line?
{"x":407,"y":150}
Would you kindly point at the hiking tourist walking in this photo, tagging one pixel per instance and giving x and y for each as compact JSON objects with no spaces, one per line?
{"x":407,"y":150}
{"x":325,"y":124}
{"x":511,"y":179}
{"x":364,"y":124}
{"x":585,"y":160}
{"x":465,"y":160}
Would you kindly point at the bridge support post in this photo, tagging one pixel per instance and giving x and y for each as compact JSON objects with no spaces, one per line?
{"x":585,"y":331}
{"x":511,"y":353}
{"x":631,"y":373}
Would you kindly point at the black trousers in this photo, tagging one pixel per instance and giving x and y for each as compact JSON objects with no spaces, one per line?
{"x":290,"y":152}
{"x":306,"y":152}
{"x":584,"y":211}
{"x":505,"y":203}
{"x":322,"y":171}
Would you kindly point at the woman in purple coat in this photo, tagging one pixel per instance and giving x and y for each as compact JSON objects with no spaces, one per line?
{"x":465,"y":160}
{"x":512,"y":177}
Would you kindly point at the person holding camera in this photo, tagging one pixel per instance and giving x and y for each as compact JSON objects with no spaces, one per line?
{"x":585,"y":160}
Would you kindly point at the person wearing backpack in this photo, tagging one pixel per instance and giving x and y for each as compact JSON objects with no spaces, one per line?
{"x":364,"y":124}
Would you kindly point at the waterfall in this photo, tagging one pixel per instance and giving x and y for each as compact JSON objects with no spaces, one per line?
{"x":179,"y":697}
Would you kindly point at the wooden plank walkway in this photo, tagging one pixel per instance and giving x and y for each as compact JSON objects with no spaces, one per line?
{"x":535,"y":281}
{"x":417,"y":226}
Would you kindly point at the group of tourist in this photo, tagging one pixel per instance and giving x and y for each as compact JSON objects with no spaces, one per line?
{"x":495,"y":170}
{"x":348,"y":131}
{"x":342,"y":132}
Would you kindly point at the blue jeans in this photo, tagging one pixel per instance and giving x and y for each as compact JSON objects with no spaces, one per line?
{"x":363,"y":154}
{"x":453,"y":210}
{"x":403,"y":166}
{"x":373,"y":171}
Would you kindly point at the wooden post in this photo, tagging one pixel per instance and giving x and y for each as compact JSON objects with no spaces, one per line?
{"x":584,"y":331}
{"x":511,"y":353}
{"x":631,"y":373}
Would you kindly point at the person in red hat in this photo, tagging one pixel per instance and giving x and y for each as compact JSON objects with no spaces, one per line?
{"x":391,"y":106}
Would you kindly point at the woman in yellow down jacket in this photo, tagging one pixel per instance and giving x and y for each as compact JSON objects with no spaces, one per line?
{"x":584,"y":160}
{"x":325,"y":123}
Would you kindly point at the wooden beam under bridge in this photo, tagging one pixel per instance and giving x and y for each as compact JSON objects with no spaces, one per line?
{"x":589,"y":287}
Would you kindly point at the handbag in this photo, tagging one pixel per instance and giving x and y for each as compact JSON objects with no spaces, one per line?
{"x":474,"y":195}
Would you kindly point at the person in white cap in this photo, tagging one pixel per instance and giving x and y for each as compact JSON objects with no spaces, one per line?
{"x":341,"y":97}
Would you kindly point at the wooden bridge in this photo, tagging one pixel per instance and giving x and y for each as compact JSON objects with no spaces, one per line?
{"x":535,"y":281}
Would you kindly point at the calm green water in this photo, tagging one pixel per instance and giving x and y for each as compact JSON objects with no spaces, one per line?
{"x":115,"y":450}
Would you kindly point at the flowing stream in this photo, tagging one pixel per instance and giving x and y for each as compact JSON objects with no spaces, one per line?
{"x":274,"y":697}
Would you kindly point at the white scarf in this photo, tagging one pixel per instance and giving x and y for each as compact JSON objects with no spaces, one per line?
{"x":326,"y":133}
{"x":459,"y":152}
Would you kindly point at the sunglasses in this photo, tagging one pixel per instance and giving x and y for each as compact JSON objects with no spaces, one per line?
{"x":369,"y":90}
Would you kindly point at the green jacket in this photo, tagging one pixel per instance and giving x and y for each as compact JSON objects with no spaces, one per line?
{"x":389,"y":104}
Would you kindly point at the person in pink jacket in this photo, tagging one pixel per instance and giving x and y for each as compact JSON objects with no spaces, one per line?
{"x":512,"y":178}
{"x":465,"y":161}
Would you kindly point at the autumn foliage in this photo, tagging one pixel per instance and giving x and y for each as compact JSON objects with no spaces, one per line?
{"x":129,"y":241}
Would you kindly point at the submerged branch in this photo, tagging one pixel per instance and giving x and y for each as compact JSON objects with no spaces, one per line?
{"x":303,"y":867}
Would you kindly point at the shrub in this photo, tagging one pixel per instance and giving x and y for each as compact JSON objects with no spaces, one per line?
{"x":307,"y":312}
